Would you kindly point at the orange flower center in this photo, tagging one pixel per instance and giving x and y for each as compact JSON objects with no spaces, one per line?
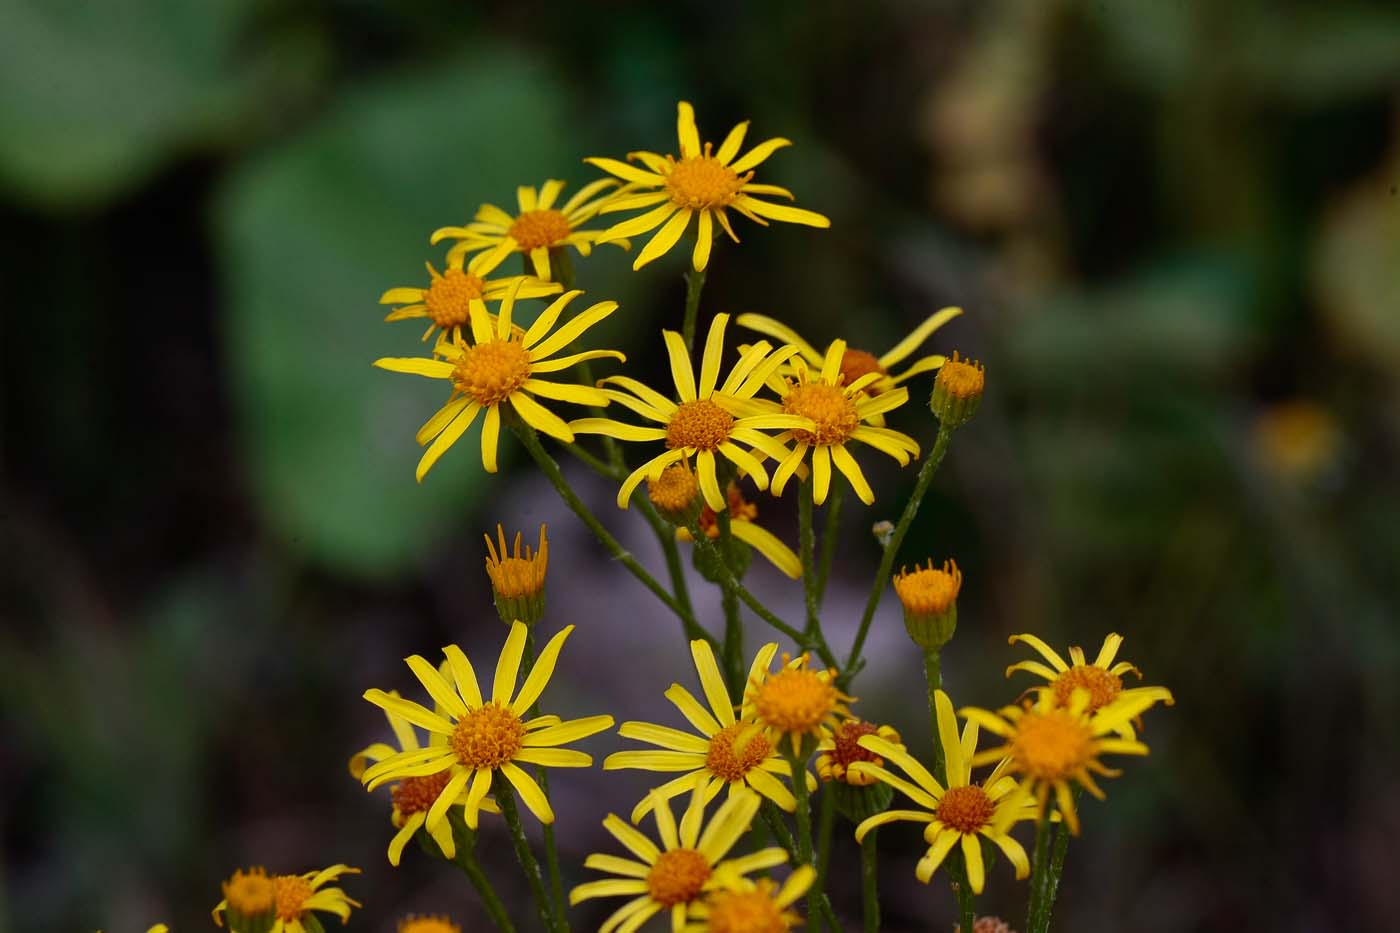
{"x":735,"y":750}
{"x":417,"y":794}
{"x":1052,"y":745}
{"x":491,"y":372}
{"x":290,"y":892}
{"x":960,"y":378}
{"x":677,"y":877}
{"x":857,"y":363}
{"x":846,"y":738}
{"x":835,"y":415}
{"x":966,"y":809}
{"x":700,"y":424}
{"x":795,"y":699}
{"x":534,"y":229}
{"x":449,"y":297}
{"x":249,"y":892}
{"x":748,"y":911}
{"x":701,"y":182}
{"x":927,"y":591}
{"x":1102,"y":686}
{"x":675,"y":489}
{"x":487,"y":737}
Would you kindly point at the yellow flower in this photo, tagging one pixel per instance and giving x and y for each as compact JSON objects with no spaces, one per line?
{"x":517,"y":581}
{"x":839,"y":413}
{"x":741,"y":905}
{"x":450,"y":297}
{"x":957,"y":392}
{"x":434,"y":923}
{"x":710,"y":418}
{"x":687,"y":865}
{"x":1050,"y":745}
{"x":247,"y":894}
{"x":501,"y":367}
{"x":857,"y":363}
{"x":536,"y":229}
{"x":795,"y":701}
{"x":698,"y":184}
{"x":728,"y":751}
{"x":842,"y":748}
{"x":1102,"y":680}
{"x":958,"y":814}
{"x":475,"y":738}
{"x":742,"y":526}
{"x":411,"y":796}
{"x":294,"y":897}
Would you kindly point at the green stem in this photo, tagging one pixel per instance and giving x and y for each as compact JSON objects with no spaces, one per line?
{"x":772,"y":818}
{"x":803,"y":812}
{"x":826,"y":825}
{"x":1040,"y":859}
{"x":694,"y":285}
{"x":967,"y":901}
{"x":733,"y":653}
{"x":870,"y":890}
{"x":1050,"y":883}
{"x":806,"y":548}
{"x":829,"y":530}
{"x":882,"y":576}
{"x":551,"y":851}
{"x":466,"y":861}
{"x":505,"y":797}
{"x":933,"y":675}
{"x":550,"y":468}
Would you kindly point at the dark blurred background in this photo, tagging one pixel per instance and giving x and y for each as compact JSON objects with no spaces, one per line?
{"x":1174,"y":225}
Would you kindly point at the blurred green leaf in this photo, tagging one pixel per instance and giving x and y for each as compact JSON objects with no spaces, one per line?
{"x":314,"y":232}
{"x":93,"y":94}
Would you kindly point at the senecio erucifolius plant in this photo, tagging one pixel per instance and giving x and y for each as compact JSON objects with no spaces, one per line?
{"x":758,"y":755}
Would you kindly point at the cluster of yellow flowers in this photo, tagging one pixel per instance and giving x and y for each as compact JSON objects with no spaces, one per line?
{"x":782,"y":412}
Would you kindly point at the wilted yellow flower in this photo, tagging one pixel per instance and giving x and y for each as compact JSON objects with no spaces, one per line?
{"x":475,"y":738}
{"x":842,"y":748}
{"x":536,"y":228}
{"x":502,"y":367}
{"x":686,"y":865}
{"x":728,"y":751}
{"x":712,"y":417}
{"x":698,"y":184}
{"x":449,"y":298}
{"x":958,"y":814}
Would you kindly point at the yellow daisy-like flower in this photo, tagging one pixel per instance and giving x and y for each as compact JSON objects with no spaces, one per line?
{"x":857,"y":363}
{"x":502,"y":366}
{"x":711,"y":418}
{"x":473,"y":738}
{"x":537,"y":228}
{"x":1050,"y":745}
{"x":698,"y":184}
{"x":728,"y":751}
{"x":294,"y":897}
{"x":741,"y":905}
{"x":742,"y":525}
{"x":430,"y":923}
{"x":1103,"y":679}
{"x":450,"y":297}
{"x":961,"y":812}
{"x":689,"y":862}
{"x":795,"y":701}
{"x":412,"y":796}
{"x":842,"y":749}
{"x":840,"y":412}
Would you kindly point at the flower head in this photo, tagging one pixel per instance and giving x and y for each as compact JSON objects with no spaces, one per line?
{"x":536,"y":228}
{"x":712,"y":418}
{"x":795,"y":701}
{"x":839,"y":413}
{"x":1050,"y":745}
{"x":473,"y":738}
{"x":689,"y":862}
{"x":450,"y":296}
{"x":502,"y":367}
{"x":743,"y":526}
{"x":728,"y":752}
{"x":958,"y":814}
{"x":741,"y":905}
{"x":929,"y":597}
{"x":957,"y":391}
{"x":288,"y":901}
{"x":1102,"y":680}
{"x":701,"y":183}
{"x":858,"y":363}
{"x":842,"y":748}
{"x":433,"y":923}
{"x":517,"y":580}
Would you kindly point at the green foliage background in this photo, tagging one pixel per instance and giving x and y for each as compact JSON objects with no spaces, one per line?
{"x":1170,"y":223}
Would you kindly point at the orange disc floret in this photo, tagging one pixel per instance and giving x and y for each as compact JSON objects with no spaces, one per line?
{"x":290,"y":893}
{"x":678,"y":876}
{"x":249,"y":892}
{"x":491,"y":372}
{"x":428,"y":923}
{"x":675,"y":490}
{"x":835,"y":415}
{"x":418,"y":794}
{"x":517,"y":574}
{"x":736,"y":750}
{"x":961,"y":378}
{"x":753,"y":911}
{"x":843,"y":749}
{"x":1052,"y":745}
{"x":857,"y":363}
{"x":538,"y":229}
{"x":928,"y":590}
{"x":449,"y":297}
{"x":1102,"y":686}
{"x":702,"y":182}
{"x":966,"y":809}
{"x":797,"y":701}
{"x":700,"y":424}
{"x":488,"y":736}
